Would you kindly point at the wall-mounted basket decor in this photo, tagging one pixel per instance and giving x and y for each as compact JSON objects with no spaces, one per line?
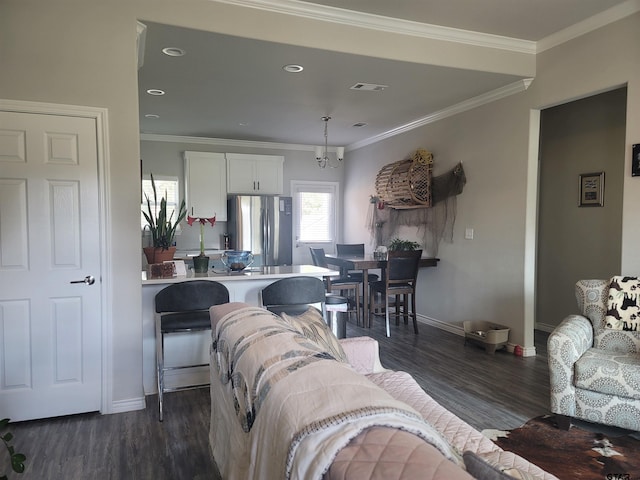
{"x":406,"y":183}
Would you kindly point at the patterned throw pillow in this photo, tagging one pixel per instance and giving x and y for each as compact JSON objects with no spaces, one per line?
{"x":313,"y":327}
{"x":623,"y":310}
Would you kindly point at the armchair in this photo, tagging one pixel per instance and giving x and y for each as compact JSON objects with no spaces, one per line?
{"x":595,"y":369}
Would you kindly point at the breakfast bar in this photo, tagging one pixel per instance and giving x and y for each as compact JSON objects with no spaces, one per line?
{"x":188,"y":348}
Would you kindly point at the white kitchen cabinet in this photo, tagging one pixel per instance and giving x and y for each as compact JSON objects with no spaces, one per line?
{"x":254,"y":174}
{"x":205,"y":178}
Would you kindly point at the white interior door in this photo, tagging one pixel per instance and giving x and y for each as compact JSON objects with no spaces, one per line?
{"x":50,"y":325}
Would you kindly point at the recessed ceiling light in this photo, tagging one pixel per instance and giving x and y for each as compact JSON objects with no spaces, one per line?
{"x":173,"y":51}
{"x":151,"y":115}
{"x":243,"y":124}
{"x":155,"y":91}
{"x":292,"y":68}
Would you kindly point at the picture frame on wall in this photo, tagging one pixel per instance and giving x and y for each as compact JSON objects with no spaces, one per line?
{"x":591,"y":188}
{"x":635,"y":160}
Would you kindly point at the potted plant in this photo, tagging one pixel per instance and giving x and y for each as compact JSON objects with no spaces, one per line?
{"x":201,"y":262}
{"x":17,"y":459}
{"x":397,"y":245}
{"x":162,"y":228}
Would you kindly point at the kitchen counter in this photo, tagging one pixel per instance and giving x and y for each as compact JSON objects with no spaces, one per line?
{"x":258,"y":273}
{"x":193,"y":347}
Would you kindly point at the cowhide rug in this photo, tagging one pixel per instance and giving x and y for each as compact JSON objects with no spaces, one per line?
{"x":578,"y":453}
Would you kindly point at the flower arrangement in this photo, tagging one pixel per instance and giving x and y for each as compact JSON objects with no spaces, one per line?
{"x":202,"y":221}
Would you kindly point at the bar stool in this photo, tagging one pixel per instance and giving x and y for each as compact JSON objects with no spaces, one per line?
{"x":336,"y":307}
{"x":341,"y":284}
{"x":400,"y":278}
{"x":183,"y":307}
{"x":293,"y":295}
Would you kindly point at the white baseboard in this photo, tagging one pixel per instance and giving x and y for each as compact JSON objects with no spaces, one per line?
{"x":459,"y":330}
{"x":129,"y":405}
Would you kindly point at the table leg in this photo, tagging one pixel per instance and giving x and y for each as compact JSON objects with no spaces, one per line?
{"x":366,"y":321}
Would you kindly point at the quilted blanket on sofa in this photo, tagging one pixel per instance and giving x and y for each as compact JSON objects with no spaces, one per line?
{"x":295,"y":407}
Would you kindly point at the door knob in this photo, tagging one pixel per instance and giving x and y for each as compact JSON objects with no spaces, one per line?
{"x":89,"y":280}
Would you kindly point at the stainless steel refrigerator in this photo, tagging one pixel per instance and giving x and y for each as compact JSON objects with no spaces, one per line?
{"x":261,"y":224}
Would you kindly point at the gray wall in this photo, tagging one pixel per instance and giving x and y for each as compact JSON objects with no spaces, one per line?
{"x":574,"y":242}
{"x":493,"y":276}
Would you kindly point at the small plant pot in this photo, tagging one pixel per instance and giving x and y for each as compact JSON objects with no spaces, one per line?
{"x":201,"y":263}
{"x":158,"y":254}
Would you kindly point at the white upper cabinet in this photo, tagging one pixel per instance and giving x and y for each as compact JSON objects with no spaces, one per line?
{"x":254,"y":174}
{"x":205,"y":175}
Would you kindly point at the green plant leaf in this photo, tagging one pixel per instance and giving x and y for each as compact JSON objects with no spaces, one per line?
{"x":162,"y":229}
{"x":17,"y":462}
{"x":17,"y":459}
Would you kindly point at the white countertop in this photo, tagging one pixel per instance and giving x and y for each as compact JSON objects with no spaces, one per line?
{"x":258,"y":273}
{"x":180,"y":254}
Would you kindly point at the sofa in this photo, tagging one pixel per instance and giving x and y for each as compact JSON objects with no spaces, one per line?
{"x":594,"y":356}
{"x":291,"y":401}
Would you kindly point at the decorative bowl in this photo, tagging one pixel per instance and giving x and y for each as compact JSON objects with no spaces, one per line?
{"x":237,"y":260}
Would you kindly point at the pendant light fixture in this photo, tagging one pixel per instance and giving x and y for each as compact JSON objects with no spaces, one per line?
{"x":322,"y":156}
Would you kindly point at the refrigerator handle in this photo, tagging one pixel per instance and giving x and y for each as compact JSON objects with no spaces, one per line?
{"x":267,"y":233}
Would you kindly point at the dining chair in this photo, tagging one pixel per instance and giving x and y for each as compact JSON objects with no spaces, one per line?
{"x":399,"y":279}
{"x":347,"y":286}
{"x":183,"y":307}
{"x":355,"y":249}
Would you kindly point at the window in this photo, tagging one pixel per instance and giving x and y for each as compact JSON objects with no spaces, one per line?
{"x":316,"y":207}
{"x":165,"y":187}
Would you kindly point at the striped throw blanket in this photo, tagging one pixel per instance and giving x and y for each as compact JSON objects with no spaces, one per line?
{"x":295,"y":405}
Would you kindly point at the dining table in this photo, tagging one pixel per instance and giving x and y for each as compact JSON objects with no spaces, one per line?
{"x":365,"y":263}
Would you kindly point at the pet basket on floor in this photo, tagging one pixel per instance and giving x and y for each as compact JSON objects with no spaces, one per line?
{"x":406,"y":183}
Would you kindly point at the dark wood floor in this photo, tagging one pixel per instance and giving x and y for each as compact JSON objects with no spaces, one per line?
{"x":499,"y":391}
{"x":488,"y":391}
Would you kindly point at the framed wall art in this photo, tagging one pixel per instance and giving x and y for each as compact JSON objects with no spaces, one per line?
{"x":635,"y":160}
{"x":591,"y":190}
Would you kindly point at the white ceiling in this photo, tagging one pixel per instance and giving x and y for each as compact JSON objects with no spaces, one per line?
{"x":234,"y":88}
{"x":525,"y":19}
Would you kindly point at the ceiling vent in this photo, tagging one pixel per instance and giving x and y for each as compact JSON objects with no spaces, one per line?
{"x":359,"y":124}
{"x":369,"y":87}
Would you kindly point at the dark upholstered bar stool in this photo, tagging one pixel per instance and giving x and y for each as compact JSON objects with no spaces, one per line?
{"x":295,"y":295}
{"x":183,"y":307}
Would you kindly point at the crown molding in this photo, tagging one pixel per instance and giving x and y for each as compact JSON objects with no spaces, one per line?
{"x":141,"y":38}
{"x":474,"y":102}
{"x":387,"y":24}
{"x":497,"y":94}
{"x":224,"y":142}
{"x":593,"y":23}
